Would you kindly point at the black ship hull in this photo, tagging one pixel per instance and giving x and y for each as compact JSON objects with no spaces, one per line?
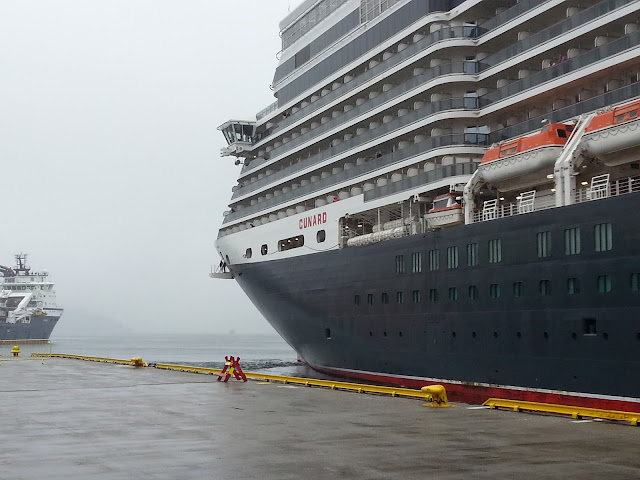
{"x":354,"y":312}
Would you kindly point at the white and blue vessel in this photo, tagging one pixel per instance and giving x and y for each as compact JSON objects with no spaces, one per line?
{"x":28,"y":307}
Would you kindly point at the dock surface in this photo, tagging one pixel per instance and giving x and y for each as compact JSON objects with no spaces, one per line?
{"x":70,"y":419}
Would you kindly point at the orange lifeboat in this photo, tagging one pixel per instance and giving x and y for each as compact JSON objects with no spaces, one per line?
{"x":614,"y":136}
{"x":525,"y":155}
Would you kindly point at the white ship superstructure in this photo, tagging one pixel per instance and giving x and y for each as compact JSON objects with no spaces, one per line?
{"x":385,"y":105}
{"x":28,"y":308}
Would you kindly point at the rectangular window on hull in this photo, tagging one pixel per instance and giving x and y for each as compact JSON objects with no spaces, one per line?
{"x":494,"y":290}
{"x":452,"y":257}
{"x":289,"y":243}
{"x":543,"y":240}
{"x":399,"y":297}
{"x":473,"y":292}
{"x":572,"y":241}
{"x":544,"y":287}
{"x":573,"y":286}
{"x":495,"y":251}
{"x":370,"y":299}
{"x":603,"y":237}
{"x":434,"y":260}
{"x":589,"y":326}
{"x":634,"y":282}
{"x":518,"y":289}
{"x":356,"y":300}
{"x":433,"y":295}
{"x":399,"y":263}
{"x":384,"y":298}
{"x":604,"y":284}
{"x":416,"y":262}
{"x":472,"y":255}
{"x":453,"y":294}
{"x":416,"y":296}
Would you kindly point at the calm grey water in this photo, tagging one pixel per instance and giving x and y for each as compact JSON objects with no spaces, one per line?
{"x":264,"y":353}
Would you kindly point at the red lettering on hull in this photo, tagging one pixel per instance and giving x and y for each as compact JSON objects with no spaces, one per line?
{"x":312,"y":220}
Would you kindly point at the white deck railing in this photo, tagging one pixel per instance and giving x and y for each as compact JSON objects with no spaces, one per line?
{"x":587,"y":194}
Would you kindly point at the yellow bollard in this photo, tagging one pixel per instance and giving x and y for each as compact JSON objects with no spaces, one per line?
{"x":137,"y":362}
{"x":438,"y":395}
{"x":15,"y":350}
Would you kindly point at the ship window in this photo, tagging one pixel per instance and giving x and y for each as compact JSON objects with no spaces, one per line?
{"x":384,"y":298}
{"x":302,"y":56}
{"x":561,"y":133}
{"x":416,"y":262}
{"x":543,"y":240}
{"x":604,"y":283}
{"x":494,"y":290}
{"x":399,"y":297}
{"x":633,"y":114}
{"x":573,"y":286}
{"x":433,"y":295}
{"x":248,"y":253}
{"x":473,"y":292}
{"x":619,"y":118}
{"x":434,"y":260}
{"x":453,"y":293}
{"x":452,"y":257}
{"x":399,"y":263}
{"x":495,"y":251}
{"x":327,"y":333}
{"x":572,"y":241}
{"x":518,"y":289}
{"x":634,"y":281}
{"x":603,"y":237}
{"x":416,"y":296}
{"x":472,"y":254}
{"x":356,"y":300}
{"x":321,"y":236}
{"x":589,"y":326}
{"x":370,"y":298}
{"x":544,"y":287}
{"x":289,"y":243}
{"x":264,"y":249}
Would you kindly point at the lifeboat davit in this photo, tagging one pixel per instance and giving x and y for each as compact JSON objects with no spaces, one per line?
{"x":614,"y":136}
{"x":445,"y":211}
{"x":525,"y":155}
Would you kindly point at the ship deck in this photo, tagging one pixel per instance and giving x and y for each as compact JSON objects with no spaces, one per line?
{"x":75,"y":420}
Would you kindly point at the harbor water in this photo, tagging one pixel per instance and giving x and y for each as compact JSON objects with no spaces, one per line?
{"x":263,"y":353}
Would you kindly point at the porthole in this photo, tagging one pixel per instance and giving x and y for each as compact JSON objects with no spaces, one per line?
{"x":248,"y":253}
{"x":473,"y":334}
{"x":264,"y":249}
{"x":546,"y":334}
{"x":519,"y":334}
{"x":605,"y":335}
{"x":321,"y":236}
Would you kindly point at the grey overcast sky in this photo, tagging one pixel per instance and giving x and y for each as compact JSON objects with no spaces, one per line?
{"x":111,"y":177}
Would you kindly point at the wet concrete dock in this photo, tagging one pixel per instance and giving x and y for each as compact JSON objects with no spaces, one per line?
{"x":81,"y":420}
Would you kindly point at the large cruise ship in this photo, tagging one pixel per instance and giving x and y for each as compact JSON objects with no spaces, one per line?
{"x":444,"y":192}
{"x":28,"y":307}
